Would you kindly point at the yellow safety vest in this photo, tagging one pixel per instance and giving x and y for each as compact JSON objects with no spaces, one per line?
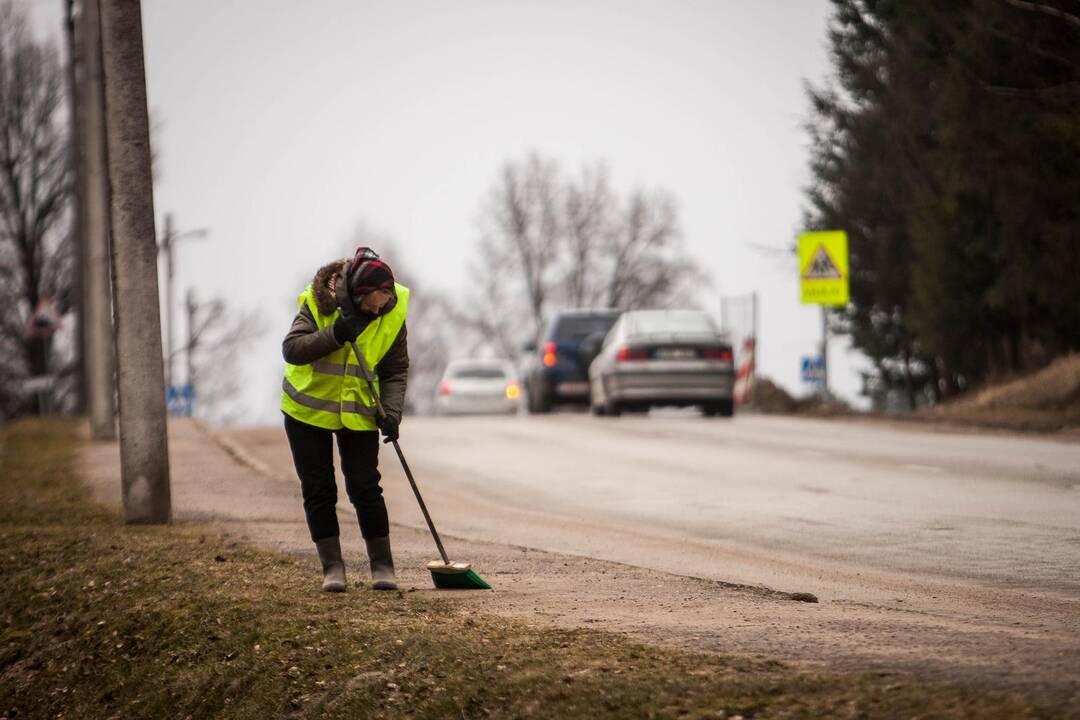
{"x":331,"y":392}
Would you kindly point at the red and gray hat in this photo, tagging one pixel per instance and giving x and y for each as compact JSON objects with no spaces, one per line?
{"x":368,"y":273}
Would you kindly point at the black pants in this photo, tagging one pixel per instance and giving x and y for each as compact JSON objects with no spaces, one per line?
{"x":313,"y":455}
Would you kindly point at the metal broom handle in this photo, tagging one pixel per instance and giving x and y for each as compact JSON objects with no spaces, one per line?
{"x":397,"y":448}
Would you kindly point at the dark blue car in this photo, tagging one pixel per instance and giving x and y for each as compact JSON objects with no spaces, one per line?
{"x":556,"y":370}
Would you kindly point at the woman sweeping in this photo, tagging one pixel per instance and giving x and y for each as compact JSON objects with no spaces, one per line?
{"x":325,"y":394}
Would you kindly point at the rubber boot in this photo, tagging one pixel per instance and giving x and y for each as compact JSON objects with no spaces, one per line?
{"x":382,"y":563}
{"x":333,"y":567}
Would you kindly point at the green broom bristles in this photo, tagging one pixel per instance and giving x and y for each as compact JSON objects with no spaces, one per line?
{"x":449,"y":577}
{"x":459,"y":581}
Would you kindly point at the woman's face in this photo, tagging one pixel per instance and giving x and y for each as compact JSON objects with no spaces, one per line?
{"x":374,"y":302}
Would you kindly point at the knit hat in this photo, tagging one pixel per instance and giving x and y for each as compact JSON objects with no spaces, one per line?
{"x":368,"y":273}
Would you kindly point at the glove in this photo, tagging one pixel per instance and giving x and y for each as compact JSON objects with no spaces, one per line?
{"x":389,"y":426}
{"x":347,"y":329}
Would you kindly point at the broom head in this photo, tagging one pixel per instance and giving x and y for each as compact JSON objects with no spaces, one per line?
{"x":455,"y":576}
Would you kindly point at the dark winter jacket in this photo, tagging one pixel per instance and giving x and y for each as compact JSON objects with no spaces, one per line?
{"x":305,"y":342}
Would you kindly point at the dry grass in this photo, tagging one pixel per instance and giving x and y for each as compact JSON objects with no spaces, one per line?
{"x":1045,"y":401}
{"x":102,"y":620}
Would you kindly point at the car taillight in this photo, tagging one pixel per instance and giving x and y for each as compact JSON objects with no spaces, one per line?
{"x":550,"y":358}
{"x":721,"y":354}
{"x":444,"y":388}
{"x":629,"y":353}
{"x":512,"y":391}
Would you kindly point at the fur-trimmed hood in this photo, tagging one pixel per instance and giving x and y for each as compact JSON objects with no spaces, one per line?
{"x":320,"y":288}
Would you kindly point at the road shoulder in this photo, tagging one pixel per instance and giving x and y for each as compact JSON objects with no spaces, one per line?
{"x":102,"y":619}
{"x":241,"y":484}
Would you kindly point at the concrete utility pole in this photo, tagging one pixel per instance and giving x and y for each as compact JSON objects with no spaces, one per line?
{"x":166,"y":246}
{"x":144,"y":447}
{"x":99,"y":350}
{"x":75,"y":124}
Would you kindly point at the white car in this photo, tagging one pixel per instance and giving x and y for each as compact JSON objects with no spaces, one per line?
{"x":478,"y":386}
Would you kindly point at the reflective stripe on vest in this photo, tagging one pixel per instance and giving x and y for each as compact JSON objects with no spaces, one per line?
{"x":310,"y":401}
{"x":332,"y":392}
{"x":332,"y":369}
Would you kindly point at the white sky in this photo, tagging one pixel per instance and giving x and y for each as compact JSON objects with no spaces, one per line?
{"x":282,"y":124}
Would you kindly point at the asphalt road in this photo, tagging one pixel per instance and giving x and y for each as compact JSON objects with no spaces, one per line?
{"x":796,"y":504}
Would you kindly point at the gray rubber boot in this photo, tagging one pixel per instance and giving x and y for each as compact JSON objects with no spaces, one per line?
{"x":333,"y":567}
{"x":382,"y":563}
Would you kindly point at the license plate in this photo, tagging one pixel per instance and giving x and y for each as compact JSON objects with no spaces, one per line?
{"x":675,"y":354}
{"x":572,"y":387}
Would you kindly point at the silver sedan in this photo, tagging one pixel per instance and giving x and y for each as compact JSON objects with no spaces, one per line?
{"x":663,"y":357}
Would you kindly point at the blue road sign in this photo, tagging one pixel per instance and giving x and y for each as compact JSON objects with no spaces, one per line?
{"x":813,"y":369}
{"x":180,"y":400}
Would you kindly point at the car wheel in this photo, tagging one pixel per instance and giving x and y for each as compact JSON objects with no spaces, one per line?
{"x":723,"y":408}
{"x":595,"y":406}
{"x":538,"y":404}
{"x":612,"y":408}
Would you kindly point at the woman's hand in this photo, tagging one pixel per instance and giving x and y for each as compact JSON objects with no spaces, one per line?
{"x":347,"y":329}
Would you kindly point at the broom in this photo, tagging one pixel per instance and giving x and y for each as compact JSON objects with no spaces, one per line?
{"x":446,"y":575}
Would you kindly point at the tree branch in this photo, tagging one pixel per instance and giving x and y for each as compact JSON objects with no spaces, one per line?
{"x":1045,"y":10}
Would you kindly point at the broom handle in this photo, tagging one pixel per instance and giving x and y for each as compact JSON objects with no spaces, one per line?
{"x":401,"y":456}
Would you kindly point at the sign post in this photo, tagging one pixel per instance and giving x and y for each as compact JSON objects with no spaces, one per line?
{"x":823,"y":280}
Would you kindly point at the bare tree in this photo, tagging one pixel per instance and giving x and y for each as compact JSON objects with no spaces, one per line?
{"x":216,"y":342}
{"x":549,"y":244}
{"x":591,"y":230}
{"x":36,"y":251}
{"x":493,"y":315}
{"x":521,"y":229}
{"x":622,"y":256}
{"x":646,"y":266}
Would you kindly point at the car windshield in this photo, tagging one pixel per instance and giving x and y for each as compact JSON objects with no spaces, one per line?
{"x":673,"y":322}
{"x":478,"y":372}
{"x":579,"y":327}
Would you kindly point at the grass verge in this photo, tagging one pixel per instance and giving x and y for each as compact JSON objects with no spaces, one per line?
{"x":102,"y":620}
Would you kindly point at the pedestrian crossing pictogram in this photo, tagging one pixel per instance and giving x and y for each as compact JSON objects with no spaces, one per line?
{"x":821,"y":266}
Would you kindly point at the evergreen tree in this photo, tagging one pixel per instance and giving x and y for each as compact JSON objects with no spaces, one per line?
{"x":947,"y":146}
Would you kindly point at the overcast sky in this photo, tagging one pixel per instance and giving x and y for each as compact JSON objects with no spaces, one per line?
{"x":280,"y":125}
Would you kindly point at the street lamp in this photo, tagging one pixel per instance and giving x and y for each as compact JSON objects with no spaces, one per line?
{"x":165,"y":245}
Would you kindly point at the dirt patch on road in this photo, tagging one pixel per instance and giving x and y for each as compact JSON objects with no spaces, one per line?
{"x":769,"y":398}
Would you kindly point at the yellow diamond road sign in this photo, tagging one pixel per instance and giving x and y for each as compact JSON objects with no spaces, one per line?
{"x":823,"y":267}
